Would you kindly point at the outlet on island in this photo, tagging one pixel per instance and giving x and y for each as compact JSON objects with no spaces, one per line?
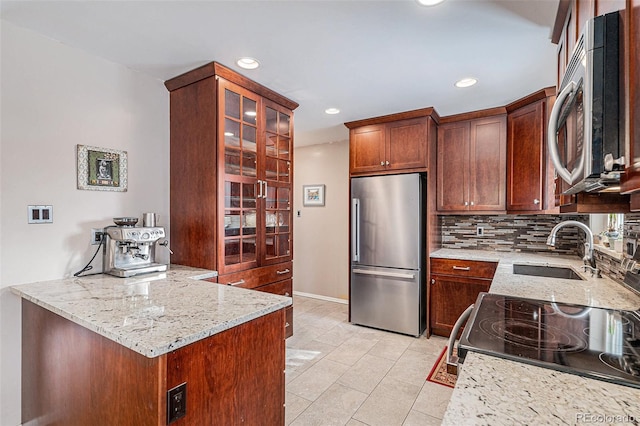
{"x":479,"y":231}
{"x":176,"y":403}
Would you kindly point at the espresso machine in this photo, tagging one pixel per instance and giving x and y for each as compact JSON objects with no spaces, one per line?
{"x":130,"y":250}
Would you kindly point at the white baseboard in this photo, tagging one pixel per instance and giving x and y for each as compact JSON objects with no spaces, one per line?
{"x":318,"y":296}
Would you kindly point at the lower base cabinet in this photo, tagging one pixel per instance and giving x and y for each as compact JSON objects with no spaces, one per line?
{"x":275,"y":279}
{"x":454,"y":286}
{"x":73,"y":376}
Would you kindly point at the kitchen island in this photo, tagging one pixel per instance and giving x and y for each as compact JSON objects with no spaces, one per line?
{"x":496,"y":391}
{"x":106,"y":350}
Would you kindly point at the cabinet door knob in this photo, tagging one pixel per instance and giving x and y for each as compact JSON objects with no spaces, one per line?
{"x":536,"y":201}
{"x":382,"y":163}
{"x":433,"y":281}
{"x":466,"y":203}
{"x":387,"y":162}
{"x":472,"y":203}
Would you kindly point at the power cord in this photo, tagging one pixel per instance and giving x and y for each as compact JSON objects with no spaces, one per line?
{"x":88,"y":266}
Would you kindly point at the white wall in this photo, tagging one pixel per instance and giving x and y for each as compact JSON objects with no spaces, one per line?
{"x":52,"y":98}
{"x":321,"y":240}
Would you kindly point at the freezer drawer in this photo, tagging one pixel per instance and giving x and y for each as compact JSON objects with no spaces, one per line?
{"x":389,"y":299}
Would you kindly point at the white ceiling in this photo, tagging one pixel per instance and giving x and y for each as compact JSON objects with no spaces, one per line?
{"x":368,"y":58}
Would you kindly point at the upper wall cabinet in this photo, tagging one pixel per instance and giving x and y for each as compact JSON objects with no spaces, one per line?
{"x":570,"y":21}
{"x":530,"y":176}
{"x":392,"y":143}
{"x":472,"y":162}
{"x":631,"y":178}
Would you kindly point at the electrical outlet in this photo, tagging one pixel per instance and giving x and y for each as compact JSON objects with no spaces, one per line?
{"x":479,"y":231}
{"x":176,"y":403}
{"x":96,"y":236}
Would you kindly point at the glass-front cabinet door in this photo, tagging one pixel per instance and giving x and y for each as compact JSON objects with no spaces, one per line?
{"x":242,"y":190}
{"x":278,"y":178}
{"x":255,"y":175}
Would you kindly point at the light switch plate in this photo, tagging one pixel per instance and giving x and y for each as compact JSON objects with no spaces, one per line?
{"x":40,"y":214}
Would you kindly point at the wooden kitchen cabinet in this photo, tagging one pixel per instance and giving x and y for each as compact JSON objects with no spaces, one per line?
{"x":276,"y":279}
{"x":392,"y":143}
{"x":233,"y":377}
{"x":231,"y":182}
{"x":454,"y":286}
{"x":631,"y":177}
{"x":471,"y":165}
{"x":530,"y":173}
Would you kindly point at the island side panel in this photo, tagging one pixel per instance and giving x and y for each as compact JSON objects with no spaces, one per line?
{"x":234,"y":377}
{"x":73,"y":376}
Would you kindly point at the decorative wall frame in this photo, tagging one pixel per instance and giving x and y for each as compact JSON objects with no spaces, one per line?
{"x":101,"y":169}
{"x":313,"y":195}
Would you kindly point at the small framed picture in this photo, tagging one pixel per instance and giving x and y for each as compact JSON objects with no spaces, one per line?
{"x":101,"y":169}
{"x":313,"y":195}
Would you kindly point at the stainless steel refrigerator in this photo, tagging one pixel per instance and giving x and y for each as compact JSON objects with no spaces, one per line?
{"x":388,"y":255}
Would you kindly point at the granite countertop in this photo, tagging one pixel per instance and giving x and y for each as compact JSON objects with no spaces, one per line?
{"x":152,"y":314}
{"x":495,"y":391}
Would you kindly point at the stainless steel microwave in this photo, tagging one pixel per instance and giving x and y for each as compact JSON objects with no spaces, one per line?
{"x":586,"y":126}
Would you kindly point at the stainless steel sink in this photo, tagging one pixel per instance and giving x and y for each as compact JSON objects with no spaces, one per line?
{"x":546,"y":271}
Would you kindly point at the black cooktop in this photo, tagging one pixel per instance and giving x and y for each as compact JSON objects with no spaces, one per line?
{"x":599,"y":343}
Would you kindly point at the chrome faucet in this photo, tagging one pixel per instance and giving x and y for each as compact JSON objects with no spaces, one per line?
{"x":588,"y":246}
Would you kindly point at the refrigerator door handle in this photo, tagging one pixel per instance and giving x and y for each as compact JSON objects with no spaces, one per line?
{"x":355,"y":229}
{"x":383,"y":274}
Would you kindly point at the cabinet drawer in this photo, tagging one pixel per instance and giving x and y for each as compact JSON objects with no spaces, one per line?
{"x":283,"y":288}
{"x":257,"y":277}
{"x":463,"y":268}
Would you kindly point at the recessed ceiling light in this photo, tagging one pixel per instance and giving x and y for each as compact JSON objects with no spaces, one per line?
{"x":429,"y":2}
{"x":248,"y":63}
{"x":332,"y":111}
{"x":466,"y":82}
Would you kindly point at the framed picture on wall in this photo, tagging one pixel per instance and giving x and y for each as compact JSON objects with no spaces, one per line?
{"x":101,"y":169}
{"x":313,"y":195}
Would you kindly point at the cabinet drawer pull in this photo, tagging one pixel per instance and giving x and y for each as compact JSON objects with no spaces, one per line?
{"x":462,"y":268}
{"x":286,"y":293}
{"x":237,"y":282}
{"x":286,"y":271}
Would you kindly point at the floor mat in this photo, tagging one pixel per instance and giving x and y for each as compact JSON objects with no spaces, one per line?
{"x":439,"y":373}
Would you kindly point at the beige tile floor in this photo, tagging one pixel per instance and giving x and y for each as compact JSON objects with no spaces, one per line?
{"x":342,"y":374}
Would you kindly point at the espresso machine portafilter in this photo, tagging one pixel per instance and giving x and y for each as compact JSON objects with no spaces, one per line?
{"x":130,"y":250}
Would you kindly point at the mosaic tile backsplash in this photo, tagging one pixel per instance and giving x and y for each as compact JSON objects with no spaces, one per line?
{"x":525,"y":233}
{"x":528,"y":233}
